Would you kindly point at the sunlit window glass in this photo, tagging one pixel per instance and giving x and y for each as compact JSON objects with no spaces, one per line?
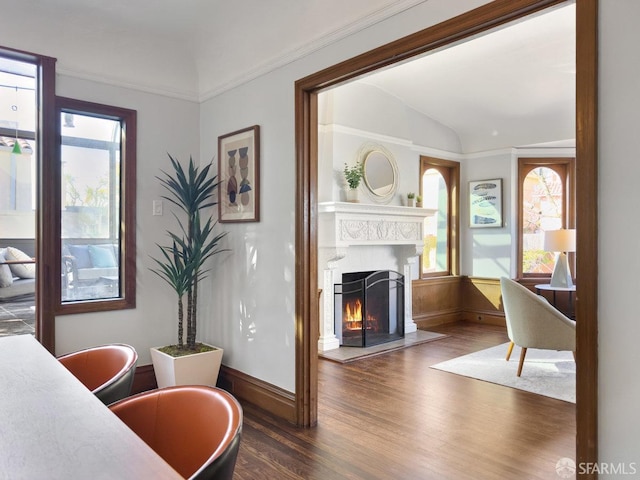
{"x":542,"y":205}
{"x":436,"y":227}
{"x":90,"y":186}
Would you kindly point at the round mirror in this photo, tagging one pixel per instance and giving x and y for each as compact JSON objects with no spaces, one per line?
{"x":380,"y":174}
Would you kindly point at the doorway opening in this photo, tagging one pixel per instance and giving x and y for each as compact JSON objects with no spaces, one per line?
{"x":18,"y":188}
{"x":463,"y":26}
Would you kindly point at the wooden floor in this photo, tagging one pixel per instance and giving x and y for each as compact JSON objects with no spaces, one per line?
{"x":392,"y":417}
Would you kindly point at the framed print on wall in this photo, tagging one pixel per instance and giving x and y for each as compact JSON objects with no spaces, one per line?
{"x":485,"y":203}
{"x":239,"y":175}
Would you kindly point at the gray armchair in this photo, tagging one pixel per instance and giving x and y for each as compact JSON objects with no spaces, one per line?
{"x":532,"y":322}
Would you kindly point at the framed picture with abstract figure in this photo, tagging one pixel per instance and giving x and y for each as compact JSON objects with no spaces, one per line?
{"x":485,"y":203}
{"x":239,"y":175}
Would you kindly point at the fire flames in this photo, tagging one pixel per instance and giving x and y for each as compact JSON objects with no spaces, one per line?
{"x":352,"y":319}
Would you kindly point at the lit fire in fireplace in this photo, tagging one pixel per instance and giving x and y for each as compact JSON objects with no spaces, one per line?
{"x":353,"y":317}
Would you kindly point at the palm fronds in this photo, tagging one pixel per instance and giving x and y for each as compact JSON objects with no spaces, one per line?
{"x":183,"y":264}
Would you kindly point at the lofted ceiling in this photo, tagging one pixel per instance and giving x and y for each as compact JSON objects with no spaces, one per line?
{"x":513,"y":86}
{"x":488,"y":90}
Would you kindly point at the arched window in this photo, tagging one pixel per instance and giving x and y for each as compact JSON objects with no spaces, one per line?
{"x":439,"y":191}
{"x":546,"y":203}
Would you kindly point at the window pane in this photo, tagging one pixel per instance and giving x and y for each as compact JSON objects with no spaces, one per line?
{"x":90,"y":156}
{"x":17,"y":169}
{"x":436,"y":227}
{"x":542,"y":200}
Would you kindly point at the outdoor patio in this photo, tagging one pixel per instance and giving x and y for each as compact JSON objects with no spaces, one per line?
{"x":17,"y":317}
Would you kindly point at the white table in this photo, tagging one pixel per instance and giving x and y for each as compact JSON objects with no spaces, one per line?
{"x":53,"y":427}
{"x":548,"y":288}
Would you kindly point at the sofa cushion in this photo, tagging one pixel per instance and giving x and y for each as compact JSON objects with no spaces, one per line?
{"x":96,"y":273}
{"x":6,"y":277}
{"x":81,"y":255}
{"x":102,"y":256}
{"x":19,"y":288}
{"x":22,"y":270}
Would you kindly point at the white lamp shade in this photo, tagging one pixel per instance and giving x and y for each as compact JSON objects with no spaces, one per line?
{"x":560,"y":240}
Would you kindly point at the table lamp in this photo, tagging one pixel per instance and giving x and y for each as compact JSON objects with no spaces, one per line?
{"x":561,"y":241}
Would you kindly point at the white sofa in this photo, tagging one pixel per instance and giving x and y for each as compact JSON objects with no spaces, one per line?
{"x":88,"y":263}
{"x":17,"y":273}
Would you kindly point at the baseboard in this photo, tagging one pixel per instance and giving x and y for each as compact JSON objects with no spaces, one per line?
{"x":487,"y":318}
{"x":270,"y":398}
{"x":144,"y":379}
{"x":425,"y":321}
{"x":265,"y":396}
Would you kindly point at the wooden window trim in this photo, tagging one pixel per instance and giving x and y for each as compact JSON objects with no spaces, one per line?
{"x":450,"y":171}
{"x":127,"y":207}
{"x":566,"y":168}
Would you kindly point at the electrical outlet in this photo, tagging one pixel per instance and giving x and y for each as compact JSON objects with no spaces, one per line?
{"x":157,"y":207}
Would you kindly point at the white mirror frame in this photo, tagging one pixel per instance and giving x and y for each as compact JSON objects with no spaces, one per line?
{"x":367,"y":152}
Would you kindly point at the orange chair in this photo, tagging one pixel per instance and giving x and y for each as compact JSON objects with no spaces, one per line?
{"x":106,"y":370}
{"x":196,"y":429}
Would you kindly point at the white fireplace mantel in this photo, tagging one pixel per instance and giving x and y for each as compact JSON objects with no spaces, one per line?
{"x":344,"y":224}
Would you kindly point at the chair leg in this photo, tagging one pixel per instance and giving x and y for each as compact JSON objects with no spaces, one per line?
{"x":522,"y":354}
{"x":509,"y":351}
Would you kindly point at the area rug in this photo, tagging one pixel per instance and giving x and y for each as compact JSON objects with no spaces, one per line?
{"x":349,"y":354}
{"x":545,"y":372}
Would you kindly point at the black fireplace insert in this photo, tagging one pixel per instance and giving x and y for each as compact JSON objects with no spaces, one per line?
{"x":369,"y":308}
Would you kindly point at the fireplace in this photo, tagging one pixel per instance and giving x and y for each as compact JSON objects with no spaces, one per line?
{"x":369,"y":308}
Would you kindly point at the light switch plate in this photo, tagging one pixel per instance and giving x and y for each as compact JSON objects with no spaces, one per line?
{"x":157,"y":207}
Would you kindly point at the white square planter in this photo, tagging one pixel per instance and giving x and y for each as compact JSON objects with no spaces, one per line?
{"x":197,"y":369}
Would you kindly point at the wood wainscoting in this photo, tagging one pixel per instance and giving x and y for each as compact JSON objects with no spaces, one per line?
{"x":482,"y":300}
{"x":437,"y":301}
{"x":442,"y":300}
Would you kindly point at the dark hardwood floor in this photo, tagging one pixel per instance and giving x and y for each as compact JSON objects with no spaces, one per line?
{"x":393,"y":417}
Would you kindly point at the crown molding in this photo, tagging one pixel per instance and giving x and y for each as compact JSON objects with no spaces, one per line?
{"x":311,"y":47}
{"x":191,"y":96}
{"x":256,"y":72}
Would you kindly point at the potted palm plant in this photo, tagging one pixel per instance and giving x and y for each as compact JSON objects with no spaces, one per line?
{"x":182,"y":265}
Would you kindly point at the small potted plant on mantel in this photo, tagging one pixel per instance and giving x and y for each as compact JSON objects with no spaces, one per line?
{"x":353,"y":176}
{"x":419,"y":201}
{"x":182,"y":266}
{"x":410,"y":199}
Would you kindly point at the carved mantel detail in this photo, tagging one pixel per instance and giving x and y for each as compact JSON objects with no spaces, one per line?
{"x":345,"y":224}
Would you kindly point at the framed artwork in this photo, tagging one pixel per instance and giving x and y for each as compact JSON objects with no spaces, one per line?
{"x":485,"y":203}
{"x":239,"y":175}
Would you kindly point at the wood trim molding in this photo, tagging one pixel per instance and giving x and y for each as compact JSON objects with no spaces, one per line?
{"x":268,"y":397}
{"x":587,"y":232}
{"x":276,"y":401}
{"x":144,"y":379}
{"x":481,"y":19}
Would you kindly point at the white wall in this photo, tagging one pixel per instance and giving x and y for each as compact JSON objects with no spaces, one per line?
{"x":488,"y":252}
{"x":165,"y":125}
{"x":619,"y":258}
{"x":355,"y":114}
{"x":255,"y":297}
